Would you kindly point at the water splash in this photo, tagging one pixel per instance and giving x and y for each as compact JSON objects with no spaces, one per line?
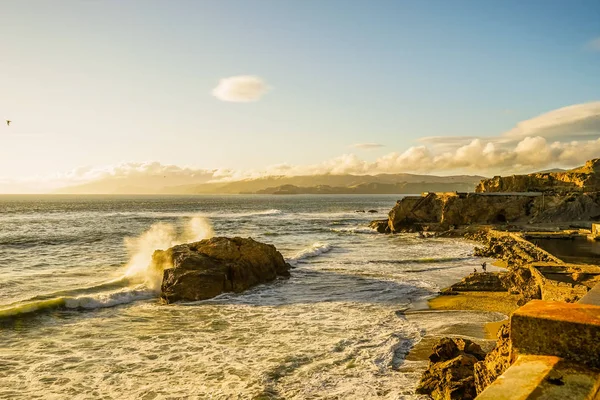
{"x":160,"y":236}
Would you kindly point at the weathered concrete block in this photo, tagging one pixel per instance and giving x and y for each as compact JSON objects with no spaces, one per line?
{"x":543,"y":377}
{"x":592,"y":297}
{"x":566,"y":330}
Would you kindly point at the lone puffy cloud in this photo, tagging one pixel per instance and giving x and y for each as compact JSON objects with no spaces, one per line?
{"x":240,"y":89}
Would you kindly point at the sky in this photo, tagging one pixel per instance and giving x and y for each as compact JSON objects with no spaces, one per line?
{"x":238,"y":88}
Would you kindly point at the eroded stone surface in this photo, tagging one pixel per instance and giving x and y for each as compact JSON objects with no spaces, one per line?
{"x":440,"y":211}
{"x":544,"y":377}
{"x":450,"y":372}
{"x":570,"y":331}
{"x":204,"y":269}
{"x":496,"y":361}
{"x":479,"y":282}
{"x":584,"y":178}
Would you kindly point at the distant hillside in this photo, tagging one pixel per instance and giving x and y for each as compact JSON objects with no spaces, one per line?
{"x":372,"y":188}
{"x":363,"y":184}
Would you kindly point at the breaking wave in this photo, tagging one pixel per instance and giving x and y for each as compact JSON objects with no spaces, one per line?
{"x":355,"y":229}
{"x":140,"y":280}
{"x":86,"y":301}
{"x":314,"y":250}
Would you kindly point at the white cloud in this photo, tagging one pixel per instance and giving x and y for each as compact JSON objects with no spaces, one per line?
{"x":576,"y":121}
{"x":243,"y":88}
{"x":367,"y":146}
{"x":594,"y":44}
{"x":565,"y":137}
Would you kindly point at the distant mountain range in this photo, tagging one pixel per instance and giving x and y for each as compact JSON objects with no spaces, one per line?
{"x":311,"y":184}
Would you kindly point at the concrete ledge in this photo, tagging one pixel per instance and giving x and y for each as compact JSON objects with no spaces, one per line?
{"x":550,"y":328}
{"x":592,"y":297}
{"x":543,"y":377}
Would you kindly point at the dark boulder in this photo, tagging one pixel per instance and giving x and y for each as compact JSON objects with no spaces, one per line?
{"x":205,"y":269}
{"x":380,"y":226}
{"x":450,"y":374}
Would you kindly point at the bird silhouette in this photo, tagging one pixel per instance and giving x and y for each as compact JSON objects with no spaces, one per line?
{"x":7,"y":123}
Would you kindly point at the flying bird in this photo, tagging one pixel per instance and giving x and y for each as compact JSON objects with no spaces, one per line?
{"x":7,"y":123}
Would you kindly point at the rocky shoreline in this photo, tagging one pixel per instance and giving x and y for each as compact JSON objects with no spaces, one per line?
{"x":446,"y":377}
{"x":505,"y":217}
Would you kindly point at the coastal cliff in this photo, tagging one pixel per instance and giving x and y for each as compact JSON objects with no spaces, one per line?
{"x":581,"y":179}
{"x":441,"y":211}
{"x":569,"y":196}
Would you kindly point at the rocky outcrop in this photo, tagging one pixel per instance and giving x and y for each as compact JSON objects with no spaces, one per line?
{"x":543,"y":197}
{"x":380,"y":226}
{"x":479,"y":282}
{"x":510,"y":247}
{"x":567,"y":208}
{"x":496,"y":361}
{"x":450,"y":373}
{"x":205,"y":269}
{"x":582,"y":179}
{"x":521,"y":281}
{"x":441,"y":211}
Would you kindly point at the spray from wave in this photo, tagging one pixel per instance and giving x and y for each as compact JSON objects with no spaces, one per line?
{"x":160,"y":236}
{"x":140,"y":281}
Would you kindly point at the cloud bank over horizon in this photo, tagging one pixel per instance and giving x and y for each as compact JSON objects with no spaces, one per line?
{"x":564,"y":137}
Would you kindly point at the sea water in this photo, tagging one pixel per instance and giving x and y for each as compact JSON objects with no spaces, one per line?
{"x":80,"y":316}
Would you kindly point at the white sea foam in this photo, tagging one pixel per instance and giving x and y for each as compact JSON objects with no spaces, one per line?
{"x":355,"y":229}
{"x":111,"y":299}
{"x":84,"y":301}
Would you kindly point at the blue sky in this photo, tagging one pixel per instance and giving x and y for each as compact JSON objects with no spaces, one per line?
{"x":97,"y":83}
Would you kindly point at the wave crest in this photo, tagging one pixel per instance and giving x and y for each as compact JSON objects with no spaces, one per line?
{"x":89,"y":301}
{"x":355,"y":229}
{"x":314,"y":250}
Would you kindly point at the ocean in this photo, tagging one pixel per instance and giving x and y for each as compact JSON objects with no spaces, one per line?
{"x":80,"y":316}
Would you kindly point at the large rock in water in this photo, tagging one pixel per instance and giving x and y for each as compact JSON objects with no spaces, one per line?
{"x":205,"y":269}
